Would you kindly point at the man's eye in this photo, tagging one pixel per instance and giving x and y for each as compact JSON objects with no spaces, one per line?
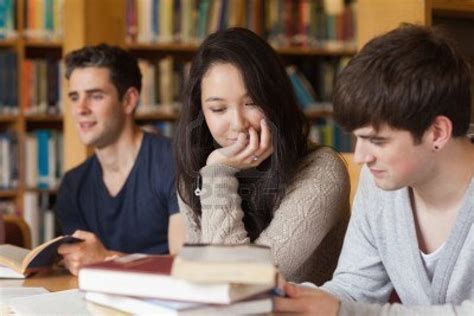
{"x":97,"y":96}
{"x":377,"y":142}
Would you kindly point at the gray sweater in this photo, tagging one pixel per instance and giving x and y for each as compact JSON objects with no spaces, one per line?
{"x":381,"y":253}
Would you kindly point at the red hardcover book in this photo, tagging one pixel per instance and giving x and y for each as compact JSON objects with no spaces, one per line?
{"x":149,"y":276}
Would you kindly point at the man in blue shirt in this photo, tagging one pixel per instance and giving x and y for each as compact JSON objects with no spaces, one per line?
{"x":123,"y":198}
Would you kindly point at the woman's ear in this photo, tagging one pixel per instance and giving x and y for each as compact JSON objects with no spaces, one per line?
{"x":130,"y":100}
{"x":441,"y":132}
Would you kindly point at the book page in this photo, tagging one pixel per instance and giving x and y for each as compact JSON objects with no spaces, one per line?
{"x":12,"y":256}
{"x":7,"y":293}
{"x":9,"y":273}
{"x":70,"y":302}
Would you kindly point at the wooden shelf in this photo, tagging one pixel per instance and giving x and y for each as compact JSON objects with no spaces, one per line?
{"x":157,"y":116}
{"x":316,"y":113}
{"x":312,"y":114}
{"x":336,"y":50}
{"x":8,"y":193}
{"x":343,"y":50}
{"x":459,"y":6}
{"x":11,"y":42}
{"x":35,"y":43}
{"x":45,"y":190}
{"x":44,"y":117}
{"x":8,"y":118}
{"x":171,"y":47}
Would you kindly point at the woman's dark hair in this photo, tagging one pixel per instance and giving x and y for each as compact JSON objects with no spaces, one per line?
{"x":405,"y":78}
{"x":268,"y":86}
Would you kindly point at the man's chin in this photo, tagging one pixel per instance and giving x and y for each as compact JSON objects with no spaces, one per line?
{"x":384,"y":185}
{"x":89,"y":142}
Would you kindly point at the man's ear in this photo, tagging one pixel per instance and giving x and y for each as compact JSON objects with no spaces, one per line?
{"x":130,"y":100}
{"x":441,"y":131}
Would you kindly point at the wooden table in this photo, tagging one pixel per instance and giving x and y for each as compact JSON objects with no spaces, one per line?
{"x":53,"y":280}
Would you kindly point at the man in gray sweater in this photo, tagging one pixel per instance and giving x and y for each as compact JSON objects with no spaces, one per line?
{"x":406,"y":98}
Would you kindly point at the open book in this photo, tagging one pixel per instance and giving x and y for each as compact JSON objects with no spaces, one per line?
{"x":19,"y":262}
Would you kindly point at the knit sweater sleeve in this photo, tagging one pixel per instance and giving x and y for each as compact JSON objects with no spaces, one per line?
{"x":311,"y":207}
{"x":360,"y":274}
{"x":191,"y":222}
{"x":314,"y":204}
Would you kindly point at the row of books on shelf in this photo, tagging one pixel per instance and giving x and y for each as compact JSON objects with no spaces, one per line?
{"x":41,"y":85}
{"x":162,"y":84}
{"x":8,"y":82}
{"x":42,"y":88}
{"x":7,"y":19}
{"x":9,"y":160}
{"x":313,"y":85}
{"x":43,"y":19}
{"x":328,"y":133}
{"x":282,"y":22}
{"x":38,"y":214}
{"x":309,"y":23}
{"x":43,"y":158}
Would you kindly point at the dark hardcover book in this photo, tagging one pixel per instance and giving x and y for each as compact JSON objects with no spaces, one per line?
{"x":149,"y":276}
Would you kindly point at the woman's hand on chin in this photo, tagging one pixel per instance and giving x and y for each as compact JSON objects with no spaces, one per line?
{"x":248,"y":151}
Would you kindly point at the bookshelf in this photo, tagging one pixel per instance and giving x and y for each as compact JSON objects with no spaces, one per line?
{"x":455,"y":16}
{"x":90,"y":22}
{"x":14,"y":117}
{"x":286,"y":25}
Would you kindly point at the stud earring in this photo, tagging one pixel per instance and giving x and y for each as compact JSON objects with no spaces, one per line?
{"x":435,"y":147}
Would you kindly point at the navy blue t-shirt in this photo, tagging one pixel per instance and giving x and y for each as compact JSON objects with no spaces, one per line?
{"x":136,"y":219}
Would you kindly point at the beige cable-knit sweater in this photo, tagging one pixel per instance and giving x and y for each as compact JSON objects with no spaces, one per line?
{"x":307,"y":229}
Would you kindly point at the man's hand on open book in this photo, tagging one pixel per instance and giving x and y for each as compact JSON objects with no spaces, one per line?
{"x":91,"y":250}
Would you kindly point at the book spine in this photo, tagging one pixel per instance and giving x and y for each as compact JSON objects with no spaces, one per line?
{"x":131,"y":21}
{"x":32,"y":216}
{"x":3,"y":77}
{"x":42,"y":137}
{"x":31,"y":165}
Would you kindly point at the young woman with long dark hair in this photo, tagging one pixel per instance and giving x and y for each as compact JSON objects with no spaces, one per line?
{"x":246,"y":172}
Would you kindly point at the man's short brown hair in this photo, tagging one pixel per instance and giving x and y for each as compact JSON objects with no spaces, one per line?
{"x":405,"y":78}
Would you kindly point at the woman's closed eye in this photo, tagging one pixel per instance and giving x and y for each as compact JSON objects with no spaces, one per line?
{"x":250,"y":103}
{"x":217,"y":109}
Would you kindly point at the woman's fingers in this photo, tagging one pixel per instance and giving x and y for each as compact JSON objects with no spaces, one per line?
{"x":265,"y":148}
{"x":249,"y":150}
{"x":249,"y":153}
{"x":240,"y":144}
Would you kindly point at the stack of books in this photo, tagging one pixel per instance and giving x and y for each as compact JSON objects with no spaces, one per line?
{"x":202,"y":279}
